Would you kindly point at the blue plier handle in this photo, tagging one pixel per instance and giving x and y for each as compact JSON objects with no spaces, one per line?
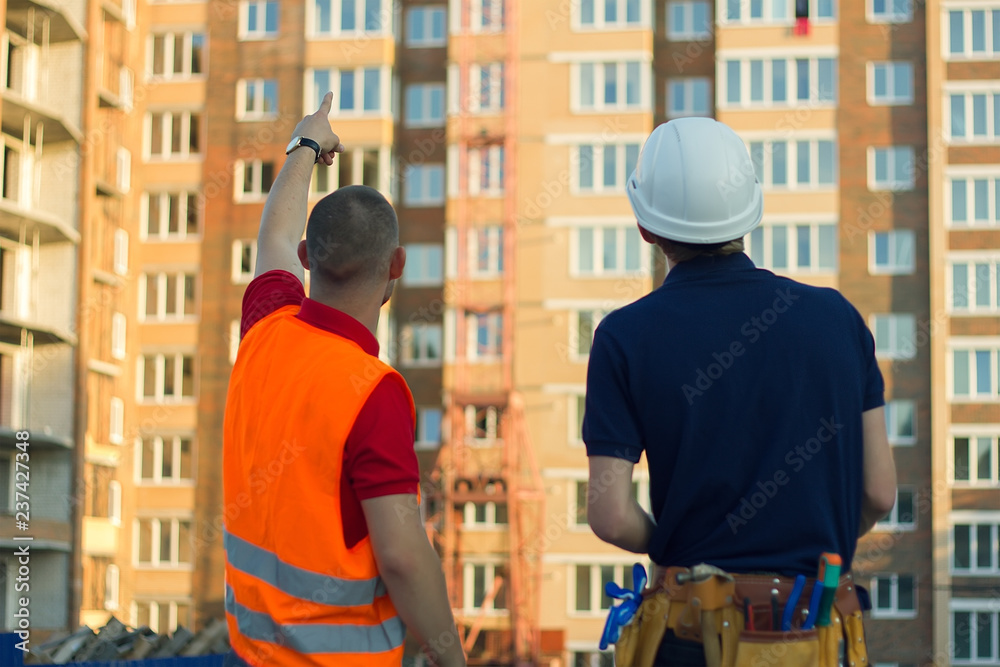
{"x":621,"y":615}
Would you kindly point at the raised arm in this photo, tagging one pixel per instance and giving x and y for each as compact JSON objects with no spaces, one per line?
{"x":287,"y":206}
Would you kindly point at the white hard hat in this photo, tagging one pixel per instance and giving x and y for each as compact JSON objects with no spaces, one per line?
{"x":694,"y":182}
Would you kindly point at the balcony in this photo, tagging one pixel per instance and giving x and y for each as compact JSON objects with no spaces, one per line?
{"x":62,"y":26}
{"x":100,"y":536}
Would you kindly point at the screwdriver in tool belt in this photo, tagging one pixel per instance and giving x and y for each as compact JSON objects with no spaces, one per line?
{"x":824,"y":591}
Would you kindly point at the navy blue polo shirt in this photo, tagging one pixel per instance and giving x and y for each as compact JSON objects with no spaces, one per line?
{"x":745,"y":390}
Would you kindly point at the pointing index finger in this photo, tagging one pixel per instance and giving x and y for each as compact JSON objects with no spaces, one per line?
{"x":327,"y":103}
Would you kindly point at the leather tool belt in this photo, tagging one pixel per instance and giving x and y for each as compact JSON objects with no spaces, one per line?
{"x":707,"y":605}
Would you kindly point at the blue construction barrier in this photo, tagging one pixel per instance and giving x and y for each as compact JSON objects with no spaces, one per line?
{"x":11,"y":656}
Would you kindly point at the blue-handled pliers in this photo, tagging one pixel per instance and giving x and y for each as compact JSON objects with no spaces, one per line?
{"x":793,"y":599}
{"x":622,"y":615}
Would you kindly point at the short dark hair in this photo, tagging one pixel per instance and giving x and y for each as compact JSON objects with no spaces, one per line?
{"x":680,"y":251}
{"x":351,"y":235}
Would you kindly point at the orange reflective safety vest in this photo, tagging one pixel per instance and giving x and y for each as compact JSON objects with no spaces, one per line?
{"x":295,"y":594}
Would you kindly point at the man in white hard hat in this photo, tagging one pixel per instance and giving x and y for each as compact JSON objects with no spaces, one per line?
{"x":757,"y":400}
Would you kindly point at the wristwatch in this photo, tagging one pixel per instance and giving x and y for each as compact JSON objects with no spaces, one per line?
{"x":297,"y":142}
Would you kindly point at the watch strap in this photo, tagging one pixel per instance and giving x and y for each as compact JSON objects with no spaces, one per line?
{"x":304,"y":141}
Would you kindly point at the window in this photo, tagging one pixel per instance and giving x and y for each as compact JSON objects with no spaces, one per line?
{"x":609,"y":14}
{"x":428,"y":428}
{"x":974,"y":543}
{"x":254,"y":179}
{"x":592,"y":659}
{"x":169,"y":215}
{"x":973,"y":33}
{"x":118,"y":323}
{"x":175,"y":55}
{"x":486,"y":15}
{"x":485,"y":336}
{"x":582,"y":332}
{"x":482,"y":424}
{"x":973,"y":373}
{"x":355,"y":91}
{"x":423,"y":185}
{"x":794,"y":248}
{"x":234,"y":340}
{"x":123,"y":169}
{"x":481,"y":92}
{"x":484,"y":587}
{"x":975,"y":460}
{"x":424,"y":105}
{"x":164,"y":459}
{"x":244,"y":261}
{"x":689,"y":97}
{"x":421,"y":344}
{"x":814,"y":162}
{"x":606,"y":251}
{"x":688,"y":21}
{"x":485,"y":515}
{"x":256,"y":99}
{"x":115,"y":502}
{"x":121,"y":252}
{"x":258,"y":19}
{"x":757,"y":11}
{"x":974,"y":631}
{"x":166,"y":296}
{"x":580,"y":512}
{"x":111,"y":584}
{"x":891,"y":168}
{"x":173,"y":135}
{"x":162,"y":542}
{"x":894,"y":335}
{"x":779,"y":81}
{"x":974,"y":117}
{"x":485,"y":251}
{"x":608,"y":86}
{"x":974,"y":200}
{"x":890,"y":11}
{"x":890,"y":83}
{"x":577,"y":407}
{"x":589,"y":596}
{"x":975,"y":285}
{"x":893,"y":596}
{"x":900,"y":421}
{"x":424,"y":265}
{"x":425,"y":26}
{"x":902,"y":516}
{"x":165,"y":377}
{"x":605,"y":167}
{"x":161,"y":616}
{"x":336,"y":17}
{"x":891,"y":253}
{"x":486,"y":168}
{"x":116,"y":408}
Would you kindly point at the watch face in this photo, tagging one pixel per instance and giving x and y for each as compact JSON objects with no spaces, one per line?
{"x":292,"y":145}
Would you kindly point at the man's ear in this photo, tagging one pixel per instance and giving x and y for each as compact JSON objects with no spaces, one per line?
{"x":397,"y":262}
{"x":303,"y":253}
{"x":646,"y":236}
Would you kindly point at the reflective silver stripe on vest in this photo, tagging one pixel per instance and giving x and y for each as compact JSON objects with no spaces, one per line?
{"x":298,"y":582}
{"x":316,"y":637}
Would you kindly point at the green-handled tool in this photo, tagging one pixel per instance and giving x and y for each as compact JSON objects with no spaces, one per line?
{"x":829,"y":567}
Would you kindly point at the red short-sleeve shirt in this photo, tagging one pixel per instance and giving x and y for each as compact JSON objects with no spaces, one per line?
{"x":379,"y":459}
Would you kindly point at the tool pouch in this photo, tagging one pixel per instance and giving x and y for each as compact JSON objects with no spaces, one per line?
{"x":640,"y":639}
{"x":798,"y":648}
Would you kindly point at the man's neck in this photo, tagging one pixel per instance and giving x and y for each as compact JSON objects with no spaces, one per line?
{"x":360,"y":304}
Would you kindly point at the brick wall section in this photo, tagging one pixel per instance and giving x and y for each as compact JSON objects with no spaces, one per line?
{"x":862,"y":211}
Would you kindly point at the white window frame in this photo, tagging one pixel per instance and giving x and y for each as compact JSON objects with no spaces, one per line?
{"x":426,"y":16}
{"x":621,"y":103}
{"x":688,"y":86}
{"x":258,"y":193}
{"x":358,"y":30}
{"x":494,"y":251}
{"x":121,"y":252}
{"x":893,"y":69}
{"x":493,"y":416}
{"x":767,"y":14}
{"x":892,"y":580}
{"x":234,"y":340}
{"x":158,"y":523}
{"x":600,"y":19}
{"x":422,"y":441}
{"x":166,"y":120}
{"x":112,"y":580}
{"x":179,"y":277}
{"x":494,"y":330}
{"x":902,"y":335}
{"x":765,"y":259}
{"x":425,"y":262}
{"x":418,"y":340}
{"x":314,"y":95}
{"x":991,"y":41}
{"x":791,"y":81}
{"x":974,"y":433}
{"x":889,"y":16}
{"x":116,"y":418}
{"x":170,"y":40}
{"x":492,"y":158}
{"x":497,"y":16}
{"x":974,"y":606}
{"x":246,"y":33}
{"x":991,"y":91}
{"x":902,"y":253}
{"x":259,"y":87}
{"x":892,"y":522}
{"x":893,"y":421}
{"x":596,"y":315}
{"x":598,"y":270}
{"x":425,"y":197}
{"x":160,"y":368}
{"x":115,"y":502}
{"x":896,"y":182}
{"x":491,"y":569}
{"x":972,"y":345}
{"x":161,"y":199}
{"x":425,"y":93}
{"x":992,"y":279}
{"x":123,"y":169}
{"x":490,"y":517}
{"x":970,"y":177}
{"x":766,"y":175}
{"x":596,"y":590}
{"x":239,"y":276}
{"x":118,"y":330}
{"x":690,"y":31}
{"x":974,"y":519}
{"x":574,"y":410}
{"x":160,"y":442}
{"x":598,"y":152}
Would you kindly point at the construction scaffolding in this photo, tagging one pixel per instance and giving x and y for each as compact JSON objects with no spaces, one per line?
{"x":487,"y":455}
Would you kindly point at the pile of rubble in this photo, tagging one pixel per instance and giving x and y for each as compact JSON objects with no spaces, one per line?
{"x":116,"y":641}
